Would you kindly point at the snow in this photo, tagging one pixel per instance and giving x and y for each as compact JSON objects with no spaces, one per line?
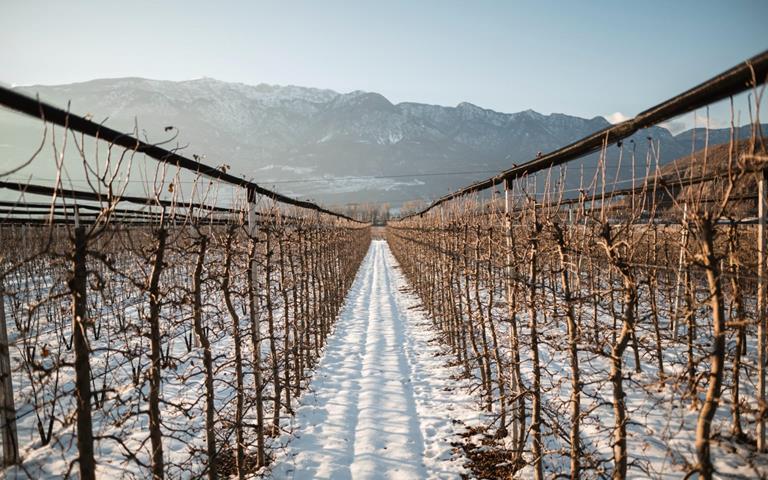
{"x":287,"y":168}
{"x":382,"y":403}
{"x":115,"y":354}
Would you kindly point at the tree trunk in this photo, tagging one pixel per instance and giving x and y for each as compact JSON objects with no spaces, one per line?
{"x":155,"y":432}
{"x":573,"y":351}
{"x":236,"y":338}
{"x":717,"y":356}
{"x":210,"y":409}
{"x":537,"y":448}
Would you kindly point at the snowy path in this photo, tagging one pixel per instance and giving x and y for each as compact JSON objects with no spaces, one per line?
{"x":380,"y":401}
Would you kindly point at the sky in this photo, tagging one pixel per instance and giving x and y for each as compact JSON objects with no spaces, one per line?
{"x":585,"y":58}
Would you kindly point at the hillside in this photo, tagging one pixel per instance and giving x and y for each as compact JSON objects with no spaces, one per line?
{"x":282,"y":136}
{"x":714,"y":163}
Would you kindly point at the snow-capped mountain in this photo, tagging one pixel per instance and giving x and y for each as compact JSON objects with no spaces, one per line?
{"x":275,"y":134}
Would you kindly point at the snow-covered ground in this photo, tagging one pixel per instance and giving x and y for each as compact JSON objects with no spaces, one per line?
{"x":382,"y":402}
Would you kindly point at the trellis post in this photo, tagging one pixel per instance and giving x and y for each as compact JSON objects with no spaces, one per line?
{"x":8,"y":414}
{"x":519,"y":414}
{"x":253,"y":231}
{"x":762,"y":203}
{"x":680,"y":261}
{"x":78,"y":289}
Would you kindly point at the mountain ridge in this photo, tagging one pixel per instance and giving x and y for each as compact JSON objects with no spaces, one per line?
{"x":276,"y":133}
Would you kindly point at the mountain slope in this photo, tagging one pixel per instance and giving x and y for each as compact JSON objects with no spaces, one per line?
{"x":279,"y":135}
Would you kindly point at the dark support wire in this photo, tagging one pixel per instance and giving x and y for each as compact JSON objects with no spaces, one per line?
{"x":37,"y":208}
{"x":738,"y":79}
{"x":48,"y":113}
{"x":100,"y":197}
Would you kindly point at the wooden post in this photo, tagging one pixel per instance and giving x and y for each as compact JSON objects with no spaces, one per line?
{"x":516,"y":387}
{"x":253,"y":285}
{"x":77,"y":286}
{"x":155,"y":379}
{"x":8,"y":416}
{"x":683,"y":246}
{"x":762,"y":199}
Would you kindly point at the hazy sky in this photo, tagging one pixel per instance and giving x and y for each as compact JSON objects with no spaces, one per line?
{"x":576,"y":57}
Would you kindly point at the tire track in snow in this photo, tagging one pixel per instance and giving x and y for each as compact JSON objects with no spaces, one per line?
{"x":388,"y":435}
{"x":324,"y":442}
{"x":381,"y":402}
{"x":361,"y":421}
